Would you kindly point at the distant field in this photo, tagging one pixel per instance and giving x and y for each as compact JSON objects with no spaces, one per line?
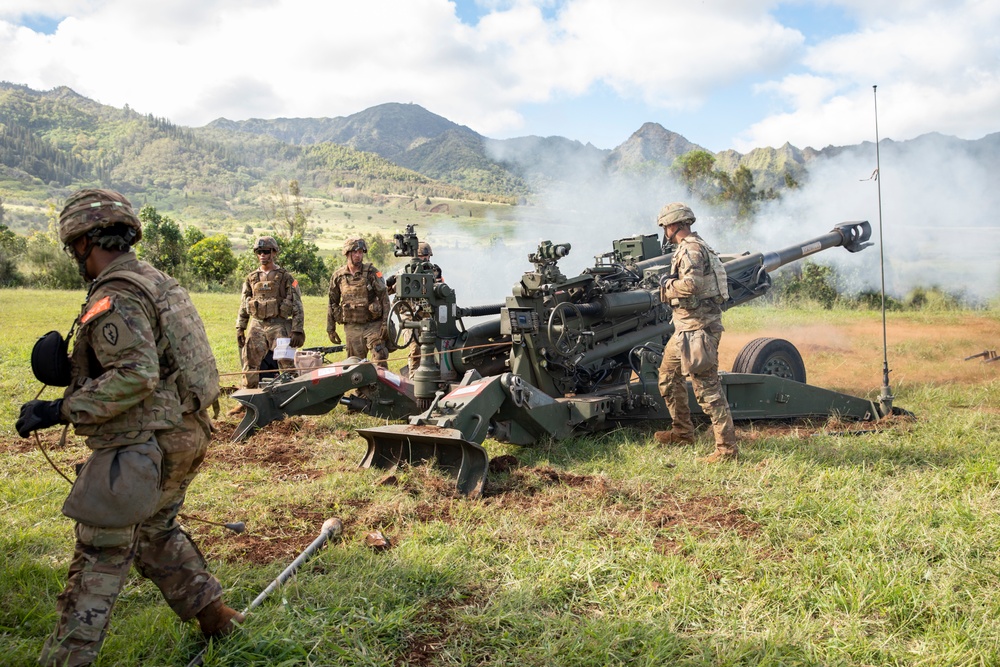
{"x":819,"y":548}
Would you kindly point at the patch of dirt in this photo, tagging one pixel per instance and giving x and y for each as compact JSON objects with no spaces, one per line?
{"x":284,"y":447}
{"x":264,"y":543}
{"x":848,"y":357}
{"x":764,"y":429}
{"x":422,"y":647}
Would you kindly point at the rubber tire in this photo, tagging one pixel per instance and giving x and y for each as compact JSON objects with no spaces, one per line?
{"x":771,"y":356}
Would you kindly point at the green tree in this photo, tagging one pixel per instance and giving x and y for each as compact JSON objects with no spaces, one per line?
{"x":11,"y":246}
{"x":379,"y":249}
{"x":212,"y":259}
{"x":284,"y":207}
{"x":192,"y":235}
{"x":810,"y":283}
{"x":48,"y":266}
{"x":303,"y":260}
{"x":696,"y":169}
{"x":739,"y":191}
{"x":162,"y":243}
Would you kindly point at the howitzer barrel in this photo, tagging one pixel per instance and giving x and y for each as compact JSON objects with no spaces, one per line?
{"x":850,"y":235}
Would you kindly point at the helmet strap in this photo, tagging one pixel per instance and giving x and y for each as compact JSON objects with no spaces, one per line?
{"x":81,"y":259}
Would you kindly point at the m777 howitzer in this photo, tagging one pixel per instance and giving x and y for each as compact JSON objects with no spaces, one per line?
{"x":584,"y":356}
{"x":564,"y":355}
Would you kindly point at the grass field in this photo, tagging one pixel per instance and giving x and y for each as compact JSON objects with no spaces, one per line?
{"x":819,"y":548}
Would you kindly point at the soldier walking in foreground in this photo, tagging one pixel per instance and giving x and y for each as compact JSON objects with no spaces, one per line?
{"x":359,"y":300}
{"x":272,"y":307}
{"x":695,"y":289}
{"x":142,"y":377}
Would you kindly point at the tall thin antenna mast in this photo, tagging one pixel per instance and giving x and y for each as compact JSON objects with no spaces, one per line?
{"x":885,"y":398}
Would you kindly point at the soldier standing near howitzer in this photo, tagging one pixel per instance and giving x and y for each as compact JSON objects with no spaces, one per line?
{"x":139,"y":380}
{"x":695,"y":289}
{"x":424,"y":254}
{"x":272,"y":306}
{"x":360,"y":301}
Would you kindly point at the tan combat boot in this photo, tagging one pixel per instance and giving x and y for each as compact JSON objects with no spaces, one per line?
{"x":238,"y":410}
{"x":218,"y":620}
{"x":672,"y":438}
{"x":723,"y":453}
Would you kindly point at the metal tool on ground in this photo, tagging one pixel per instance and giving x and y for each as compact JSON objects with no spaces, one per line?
{"x":331,"y":529}
{"x":237,"y":526}
{"x":988,"y":356}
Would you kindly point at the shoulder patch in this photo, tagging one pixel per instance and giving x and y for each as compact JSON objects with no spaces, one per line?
{"x":101,"y":306}
{"x":378,"y":273}
{"x":115,"y":334}
{"x":295,"y":283}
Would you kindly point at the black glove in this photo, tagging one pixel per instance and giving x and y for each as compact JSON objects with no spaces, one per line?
{"x":298,"y":339}
{"x":334,"y":337}
{"x":241,"y":338}
{"x":37,"y":415}
{"x":390,"y":282}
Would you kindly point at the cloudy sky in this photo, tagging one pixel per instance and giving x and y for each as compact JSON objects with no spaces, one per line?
{"x":723,"y":73}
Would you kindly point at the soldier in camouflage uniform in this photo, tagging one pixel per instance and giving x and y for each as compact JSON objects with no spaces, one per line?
{"x":142,"y":377}
{"x":424,"y":254}
{"x":272,"y":306}
{"x":695,"y":289}
{"x":360,"y":301}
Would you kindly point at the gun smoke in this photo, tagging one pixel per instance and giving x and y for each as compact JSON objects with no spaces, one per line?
{"x":939,"y":204}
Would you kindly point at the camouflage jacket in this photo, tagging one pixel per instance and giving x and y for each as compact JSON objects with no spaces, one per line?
{"x":696,"y":295}
{"x":357,"y":298}
{"x":116,"y":395}
{"x":271,"y":294}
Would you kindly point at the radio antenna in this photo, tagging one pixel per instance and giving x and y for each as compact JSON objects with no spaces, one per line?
{"x":885,"y":397}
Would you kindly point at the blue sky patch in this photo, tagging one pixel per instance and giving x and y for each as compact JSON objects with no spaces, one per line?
{"x":40,"y":23}
{"x":817,"y":23}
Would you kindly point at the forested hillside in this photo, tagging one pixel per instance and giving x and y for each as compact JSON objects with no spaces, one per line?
{"x":56,"y":141}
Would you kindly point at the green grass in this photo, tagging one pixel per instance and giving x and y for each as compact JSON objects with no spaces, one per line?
{"x":817,"y":549}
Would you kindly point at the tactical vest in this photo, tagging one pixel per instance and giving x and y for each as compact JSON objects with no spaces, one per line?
{"x":713,"y":283}
{"x":268,"y":296}
{"x":359,"y":300}
{"x":186,"y":360}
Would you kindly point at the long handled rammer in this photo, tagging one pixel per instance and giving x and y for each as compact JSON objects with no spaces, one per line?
{"x":331,"y":529}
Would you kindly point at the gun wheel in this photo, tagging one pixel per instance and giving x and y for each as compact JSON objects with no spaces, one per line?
{"x":771,"y":356}
{"x":402,"y":311}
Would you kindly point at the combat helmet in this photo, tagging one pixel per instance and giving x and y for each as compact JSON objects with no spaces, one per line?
{"x":93,"y":209}
{"x":675,"y":212}
{"x":424,"y":249}
{"x":350,"y":245}
{"x":266,"y":243}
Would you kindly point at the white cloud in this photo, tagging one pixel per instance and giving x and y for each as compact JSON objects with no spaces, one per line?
{"x":936,"y":68}
{"x":936,"y":61}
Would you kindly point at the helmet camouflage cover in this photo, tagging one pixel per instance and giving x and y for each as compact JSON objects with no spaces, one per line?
{"x":675,"y":212}
{"x":266,"y":243}
{"x":93,"y":208}
{"x":350,"y":245}
{"x":424,"y":249}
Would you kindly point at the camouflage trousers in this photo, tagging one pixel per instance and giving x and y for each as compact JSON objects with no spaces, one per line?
{"x":161,"y":551}
{"x":707,"y":391}
{"x":365,"y":341}
{"x":263,"y":335}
